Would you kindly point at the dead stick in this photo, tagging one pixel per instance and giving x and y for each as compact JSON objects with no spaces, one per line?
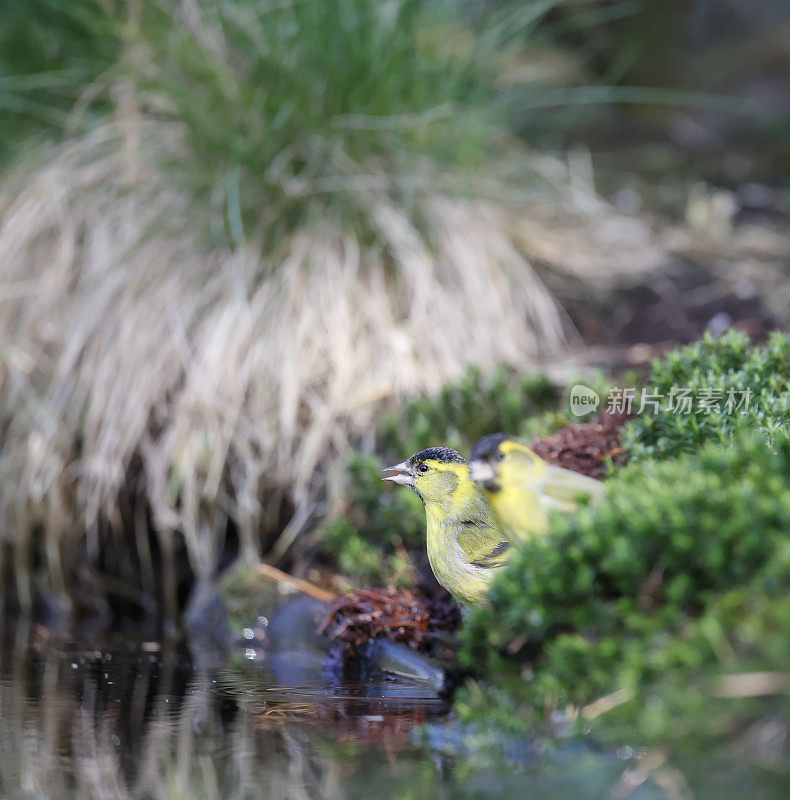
{"x":606,"y":703}
{"x":305,"y":587}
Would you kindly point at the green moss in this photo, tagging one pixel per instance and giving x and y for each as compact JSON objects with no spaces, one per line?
{"x":678,"y":580}
{"x":679,"y":575}
{"x":363,"y":540}
{"x":363,"y":561}
{"x":757,"y":379}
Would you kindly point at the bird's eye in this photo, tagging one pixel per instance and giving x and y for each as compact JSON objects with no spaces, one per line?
{"x":500,"y":455}
{"x":423,"y":468}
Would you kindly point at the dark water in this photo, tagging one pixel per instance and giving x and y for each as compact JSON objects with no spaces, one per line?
{"x":143,"y":720}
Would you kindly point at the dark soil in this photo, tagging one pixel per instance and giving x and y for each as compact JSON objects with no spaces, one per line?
{"x":628,"y":327}
{"x":586,"y":446}
{"x":396,"y":614}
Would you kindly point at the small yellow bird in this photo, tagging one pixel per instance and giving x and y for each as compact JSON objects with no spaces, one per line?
{"x":465,"y":547}
{"x":522,"y":488}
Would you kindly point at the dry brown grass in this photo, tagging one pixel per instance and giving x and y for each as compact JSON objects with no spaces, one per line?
{"x":222,"y":383}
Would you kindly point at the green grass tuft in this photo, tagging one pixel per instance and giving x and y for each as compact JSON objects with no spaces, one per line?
{"x":51,"y":51}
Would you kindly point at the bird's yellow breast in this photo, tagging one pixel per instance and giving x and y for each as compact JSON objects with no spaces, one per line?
{"x":449,"y":563}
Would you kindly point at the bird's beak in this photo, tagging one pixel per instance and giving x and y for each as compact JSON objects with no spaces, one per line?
{"x":481,"y":472}
{"x":399,"y":473}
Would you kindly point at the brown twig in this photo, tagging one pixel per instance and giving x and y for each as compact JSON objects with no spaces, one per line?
{"x":305,"y":587}
{"x":607,"y":703}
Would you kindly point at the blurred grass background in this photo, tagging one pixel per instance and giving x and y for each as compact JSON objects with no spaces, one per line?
{"x":237,"y":233}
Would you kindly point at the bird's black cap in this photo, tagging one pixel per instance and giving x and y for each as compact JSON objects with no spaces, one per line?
{"x":445,"y":454}
{"x":488,"y":446}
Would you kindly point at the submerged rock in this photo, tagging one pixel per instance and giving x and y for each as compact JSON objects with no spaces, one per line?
{"x":393,"y":658}
{"x":369,"y":635}
{"x":296,"y":626}
{"x":392,"y":632}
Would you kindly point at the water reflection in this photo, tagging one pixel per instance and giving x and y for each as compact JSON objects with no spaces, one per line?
{"x":122,"y":721}
{"x":145,"y":721}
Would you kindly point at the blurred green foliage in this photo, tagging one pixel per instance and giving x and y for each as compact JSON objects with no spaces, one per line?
{"x":728,"y":367}
{"x":51,"y":51}
{"x":363,"y":541}
{"x":464,"y":412}
{"x":377,"y":516}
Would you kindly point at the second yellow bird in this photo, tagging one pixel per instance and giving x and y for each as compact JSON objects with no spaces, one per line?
{"x":522,"y":488}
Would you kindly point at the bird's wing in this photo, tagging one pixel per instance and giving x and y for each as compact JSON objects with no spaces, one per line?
{"x":562,"y":487}
{"x":483,"y":544}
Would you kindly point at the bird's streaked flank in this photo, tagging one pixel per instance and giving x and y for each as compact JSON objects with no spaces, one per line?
{"x":522,"y":488}
{"x":465,"y":547}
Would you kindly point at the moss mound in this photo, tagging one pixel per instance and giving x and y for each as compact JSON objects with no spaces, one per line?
{"x":618,"y":593}
{"x":727,"y":384}
{"x":662,"y":611}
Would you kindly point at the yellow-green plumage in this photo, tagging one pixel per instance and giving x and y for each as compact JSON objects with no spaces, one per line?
{"x":522,"y":489}
{"x":465,"y":547}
